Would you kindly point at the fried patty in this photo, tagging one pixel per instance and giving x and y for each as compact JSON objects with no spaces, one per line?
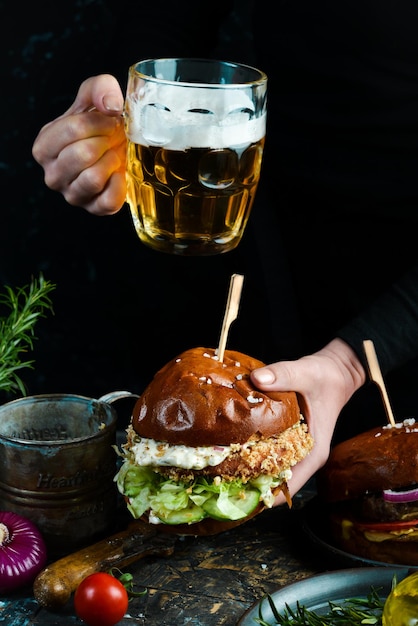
{"x":270,"y":456}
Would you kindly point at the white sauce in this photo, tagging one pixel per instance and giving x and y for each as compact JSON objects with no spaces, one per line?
{"x":151,"y":452}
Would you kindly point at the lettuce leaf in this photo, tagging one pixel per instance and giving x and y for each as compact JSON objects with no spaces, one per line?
{"x":187,"y":502}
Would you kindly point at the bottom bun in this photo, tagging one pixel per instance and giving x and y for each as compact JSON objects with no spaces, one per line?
{"x":207,"y":526}
{"x":349,"y":538}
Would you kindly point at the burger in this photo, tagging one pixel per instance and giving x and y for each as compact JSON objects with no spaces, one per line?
{"x":369,"y":488}
{"x":205,"y":449}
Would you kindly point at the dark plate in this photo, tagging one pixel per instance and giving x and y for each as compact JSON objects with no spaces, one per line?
{"x":316,"y":592}
{"x":315,"y":527}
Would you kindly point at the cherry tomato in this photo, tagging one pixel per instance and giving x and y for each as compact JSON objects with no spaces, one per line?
{"x":101,"y":600}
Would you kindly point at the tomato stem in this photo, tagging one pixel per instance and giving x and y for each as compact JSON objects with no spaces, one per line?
{"x":127,"y":581}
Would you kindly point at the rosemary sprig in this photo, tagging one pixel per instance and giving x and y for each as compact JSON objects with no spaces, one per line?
{"x":25,"y":305}
{"x":352,"y":612}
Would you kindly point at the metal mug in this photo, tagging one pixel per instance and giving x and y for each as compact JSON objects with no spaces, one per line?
{"x":57,"y":465}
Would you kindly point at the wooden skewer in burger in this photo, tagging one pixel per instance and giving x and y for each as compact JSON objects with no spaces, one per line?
{"x":375,"y":374}
{"x":205,"y":449}
{"x":369,"y":487}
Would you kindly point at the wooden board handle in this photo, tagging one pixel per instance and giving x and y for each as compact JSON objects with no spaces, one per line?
{"x":54,"y":585}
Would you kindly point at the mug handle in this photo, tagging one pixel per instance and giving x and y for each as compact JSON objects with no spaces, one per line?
{"x":117,"y":395}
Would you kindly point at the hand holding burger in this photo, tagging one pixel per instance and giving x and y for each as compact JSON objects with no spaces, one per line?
{"x":205,"y":449}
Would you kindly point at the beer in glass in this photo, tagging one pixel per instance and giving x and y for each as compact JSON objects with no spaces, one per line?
{"x":196,"y":131}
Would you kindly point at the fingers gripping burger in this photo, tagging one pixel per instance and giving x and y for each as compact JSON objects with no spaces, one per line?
{"x":205,"y":449}
{"x":369,"y":487}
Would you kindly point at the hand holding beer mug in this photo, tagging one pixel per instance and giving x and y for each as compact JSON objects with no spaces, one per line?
{"x":196,"y":131}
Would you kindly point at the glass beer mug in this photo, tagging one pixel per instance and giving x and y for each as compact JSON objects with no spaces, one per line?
{"x":196,"y":131}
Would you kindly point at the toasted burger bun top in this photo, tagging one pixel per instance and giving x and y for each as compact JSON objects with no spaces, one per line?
{"x":382,"y":458}
{"x":195,"y":400}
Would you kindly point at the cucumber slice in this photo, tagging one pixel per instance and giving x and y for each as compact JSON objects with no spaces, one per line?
{"x":190,"y":515}
{"x":240,"y":505}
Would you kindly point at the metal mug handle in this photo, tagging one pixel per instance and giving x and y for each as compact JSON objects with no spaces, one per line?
{"x":117,"y":395}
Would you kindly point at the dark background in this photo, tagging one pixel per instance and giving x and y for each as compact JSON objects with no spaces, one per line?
{"x":120,"y":310}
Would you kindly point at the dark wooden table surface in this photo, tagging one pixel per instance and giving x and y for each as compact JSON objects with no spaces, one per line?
{"x":206,"y":581}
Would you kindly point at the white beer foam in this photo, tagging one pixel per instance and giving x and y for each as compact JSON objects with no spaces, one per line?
{"x":165,"y":115}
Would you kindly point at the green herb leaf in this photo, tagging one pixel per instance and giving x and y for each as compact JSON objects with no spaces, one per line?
{"x":23,"y":306}
{"x":351,"y":612}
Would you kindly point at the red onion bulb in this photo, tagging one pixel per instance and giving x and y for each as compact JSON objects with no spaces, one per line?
{"x":22,"y":551}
